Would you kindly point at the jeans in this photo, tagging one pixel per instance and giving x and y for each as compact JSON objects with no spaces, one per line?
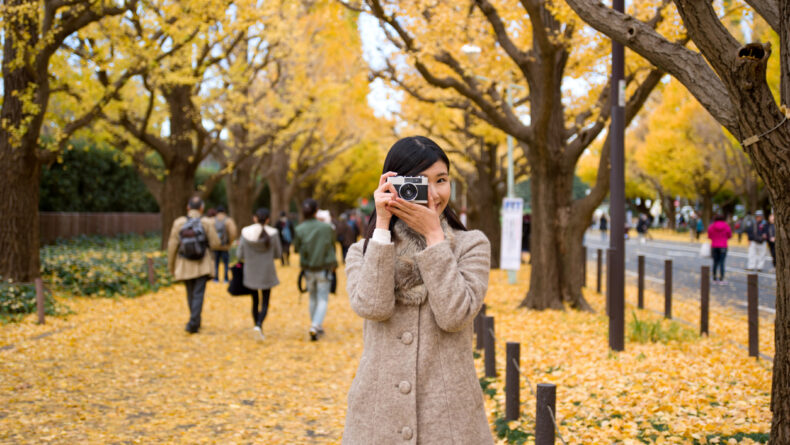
{"x":196,"y":289}
{"x":318,"y":286}
{"x":221,"y":255}
{"x":719,"y":254}
{"x":259,"y":313}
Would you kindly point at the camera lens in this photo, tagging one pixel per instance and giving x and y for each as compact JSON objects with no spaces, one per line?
{"x":408,"y":192}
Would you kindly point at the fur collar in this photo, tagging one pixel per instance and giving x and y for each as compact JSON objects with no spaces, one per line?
{"x":409,"y":287}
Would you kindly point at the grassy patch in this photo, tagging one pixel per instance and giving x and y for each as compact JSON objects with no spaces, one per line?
{"x":657,"y":331}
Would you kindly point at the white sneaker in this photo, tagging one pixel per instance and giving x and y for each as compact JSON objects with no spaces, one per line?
{"x":257,"y":333}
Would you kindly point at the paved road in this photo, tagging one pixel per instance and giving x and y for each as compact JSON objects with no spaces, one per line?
{"x":686,"y":264}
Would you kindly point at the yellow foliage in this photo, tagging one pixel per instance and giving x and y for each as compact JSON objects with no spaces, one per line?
{"x":124,"y":370}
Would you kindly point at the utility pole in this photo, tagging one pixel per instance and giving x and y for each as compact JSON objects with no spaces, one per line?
{"x":616,"y":275}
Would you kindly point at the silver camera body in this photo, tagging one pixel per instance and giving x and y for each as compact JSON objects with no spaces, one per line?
{"x":411,"y":188}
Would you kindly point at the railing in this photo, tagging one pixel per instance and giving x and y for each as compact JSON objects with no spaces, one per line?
{"x":65,"y":225}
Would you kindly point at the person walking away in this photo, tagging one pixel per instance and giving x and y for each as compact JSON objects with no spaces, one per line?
{"x":227,"y":233}
{"x":746,"y":225}
{"x":772,"y":238}
{"x":315,"y":243}
{"x":187,"y":257}
{"x":603,"y":226}
{"x":642,"y":227}
{"x":719,"y":233}
{"x":418,"y":280}
{"x":258,"y":247}
{"x":758,"y":248}
{"x":345,"y":235}
{"x":286,"y":229}
{"x":526,"y":227}
{"x":700,"y":227}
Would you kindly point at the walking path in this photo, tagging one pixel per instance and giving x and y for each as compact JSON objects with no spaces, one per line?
{"x":124,"y":371}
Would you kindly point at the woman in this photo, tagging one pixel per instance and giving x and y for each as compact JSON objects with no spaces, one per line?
{"x":258,"y":247}
{"x":719,"y":232}
{"x":418,"y":279}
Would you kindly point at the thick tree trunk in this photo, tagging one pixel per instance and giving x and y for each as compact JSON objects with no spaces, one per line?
{"x":279,"y":197}
{"x":241,"y":188}
{"x":780,"y":394}
{"x":551,"y":195}
{"x":668,"y":205}
{"x":483,"y":209}
{"x":19,"y":225}
{"x":707,"y":208}
{"x":177,"y":188}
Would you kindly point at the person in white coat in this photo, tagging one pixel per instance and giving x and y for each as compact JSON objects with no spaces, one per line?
{"x":259,"y":246}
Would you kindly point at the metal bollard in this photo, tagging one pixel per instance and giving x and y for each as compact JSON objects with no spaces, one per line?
{"x":151,"y":273}
{"x":640,"y":296}
{"x":512,"y":388}
{"x":479,"y":325}
{"x":490,"y":352}
{"x":598,"y":283}
{"x":544,"y":424}
{"x":752,"y":302}
{"x":704,"y":303}
{"x":40,"y":300}
{"x":584,"y":266}
{"x":668,"y":289}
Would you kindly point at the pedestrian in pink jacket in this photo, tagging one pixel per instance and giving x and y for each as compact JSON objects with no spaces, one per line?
{"x":719,"y":232}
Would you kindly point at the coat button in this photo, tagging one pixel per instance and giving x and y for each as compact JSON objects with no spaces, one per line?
{"x":406,"y":433}
{"x":404,"y":387}
{"x":407,"y":338}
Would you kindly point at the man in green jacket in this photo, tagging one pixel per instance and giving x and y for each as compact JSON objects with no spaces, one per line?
{"x":315,"y":243}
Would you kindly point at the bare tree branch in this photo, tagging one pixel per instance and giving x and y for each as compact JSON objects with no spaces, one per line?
{"x":689,"y":67}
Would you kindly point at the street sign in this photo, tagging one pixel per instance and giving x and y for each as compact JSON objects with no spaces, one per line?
{"x":510,"y":251}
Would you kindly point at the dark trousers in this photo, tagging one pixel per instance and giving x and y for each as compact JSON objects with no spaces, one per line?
{"x":284,"y":259}
{"x":344,"y":251}
{"x":719,"y":254}
{"x":224,"y":256}
{"x":196,"y":289}
{"x":772,"y":246}
{"x":259,"y":312}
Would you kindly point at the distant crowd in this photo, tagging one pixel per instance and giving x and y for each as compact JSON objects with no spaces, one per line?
{"x":200,"y":243}
{"x":760,"y":232}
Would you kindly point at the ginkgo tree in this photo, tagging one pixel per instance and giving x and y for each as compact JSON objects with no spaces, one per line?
{"x":33,"y":33}
{"x":731,"y":79}
{"x":685,"y":150}
{"x":539,"y":46}
{"x":158,"y":118}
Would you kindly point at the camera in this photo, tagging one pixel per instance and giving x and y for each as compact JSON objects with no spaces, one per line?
{"x":411,"y":188}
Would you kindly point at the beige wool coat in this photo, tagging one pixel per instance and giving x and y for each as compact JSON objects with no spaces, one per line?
{"x":182,"y":268}
{"x":416,"y":381}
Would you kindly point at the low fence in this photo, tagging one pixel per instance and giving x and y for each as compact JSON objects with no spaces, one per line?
{"x":64,"y":225}
{"x":751,"y":283}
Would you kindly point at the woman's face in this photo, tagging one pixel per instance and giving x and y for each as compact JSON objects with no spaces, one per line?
{"x":438,"y":184}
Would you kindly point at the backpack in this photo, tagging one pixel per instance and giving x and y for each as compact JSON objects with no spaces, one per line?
{"x":192,"y":240}
{"x":222,"y":230}
{"x":287,"y":236}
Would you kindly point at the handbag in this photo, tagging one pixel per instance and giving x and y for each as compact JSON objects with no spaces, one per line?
{"x":236,"y":286}
{"x":704,"y":250}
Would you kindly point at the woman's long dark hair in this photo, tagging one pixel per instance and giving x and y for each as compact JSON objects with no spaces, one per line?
{"x":262,"y":214}
{"x":409,"y":157}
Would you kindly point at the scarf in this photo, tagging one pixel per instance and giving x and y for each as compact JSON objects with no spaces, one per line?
{"x":409,"y":287}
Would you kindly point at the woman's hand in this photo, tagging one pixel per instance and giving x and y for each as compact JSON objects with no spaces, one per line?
{"x":424,"y":220}
{"x":383,"y":195}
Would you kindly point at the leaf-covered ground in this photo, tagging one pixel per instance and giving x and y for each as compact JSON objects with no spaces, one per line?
{"x":124,"y":371}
